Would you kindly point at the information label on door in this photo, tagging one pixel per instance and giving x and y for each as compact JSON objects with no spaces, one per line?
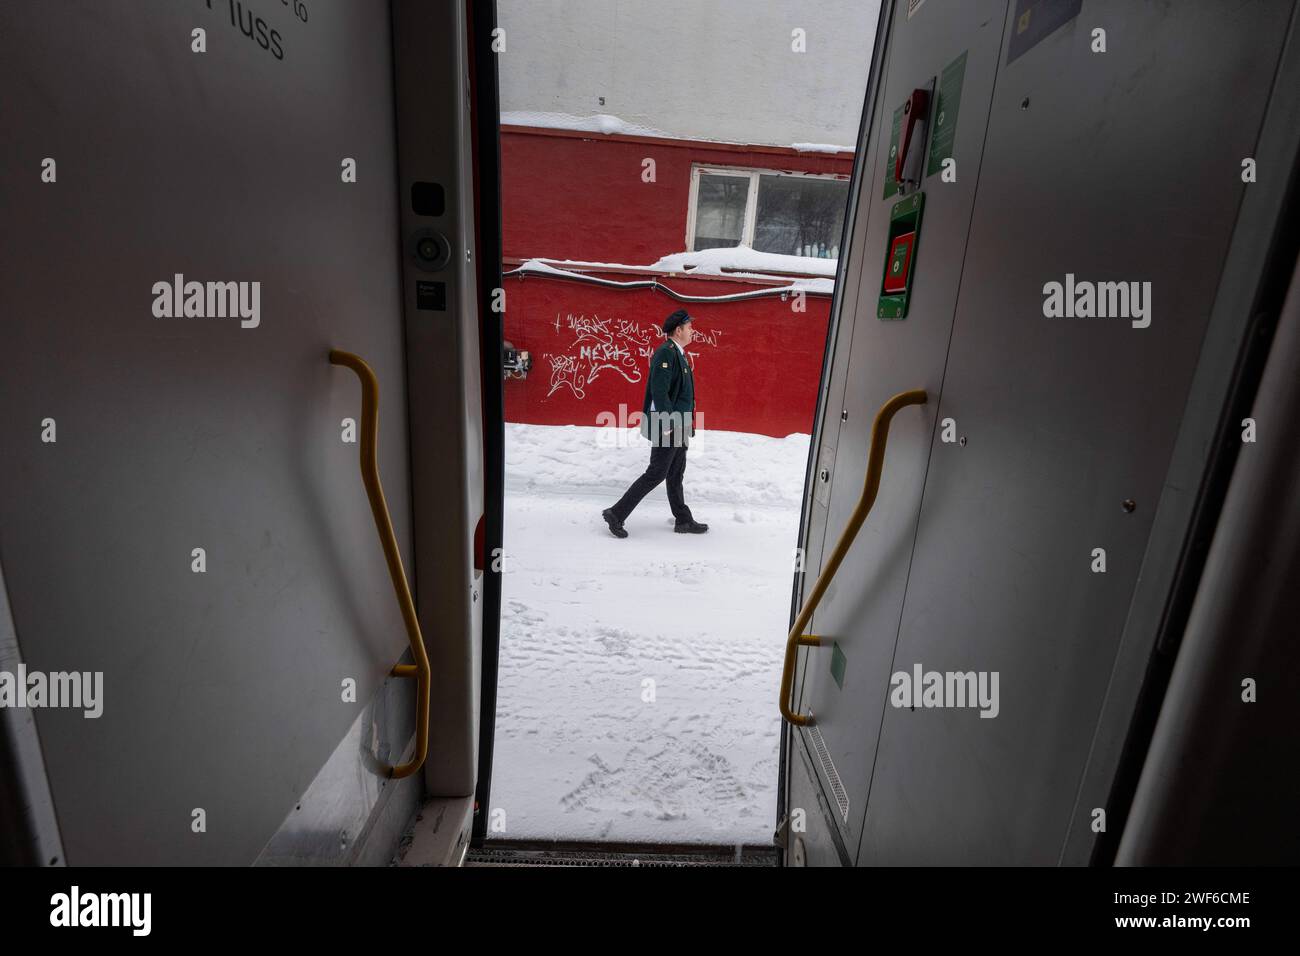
{"x":945,"y":113}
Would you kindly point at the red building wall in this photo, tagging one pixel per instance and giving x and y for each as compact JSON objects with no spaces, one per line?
{"x":757,"y":362}
{"x":581,"y":197}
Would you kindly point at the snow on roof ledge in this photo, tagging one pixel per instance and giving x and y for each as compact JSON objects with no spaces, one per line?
{"x":820,"y":272}
{"x":597,"y":123}
{"x":610,"y":125}
{"x":735,"y":259}
{"x":820,"y":148}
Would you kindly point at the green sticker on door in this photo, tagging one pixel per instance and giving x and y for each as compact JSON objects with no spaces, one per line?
{"x":838,"y":663}
{"x":945,"y":114}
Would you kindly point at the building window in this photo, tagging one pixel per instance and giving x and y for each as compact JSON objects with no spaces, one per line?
{"x":790,"y":213}
{"x":721,"y":201}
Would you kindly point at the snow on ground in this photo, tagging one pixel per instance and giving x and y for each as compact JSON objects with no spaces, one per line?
{"x":638,"y":677}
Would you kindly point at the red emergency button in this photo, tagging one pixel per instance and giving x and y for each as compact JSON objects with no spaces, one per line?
{"x":900,"y":261}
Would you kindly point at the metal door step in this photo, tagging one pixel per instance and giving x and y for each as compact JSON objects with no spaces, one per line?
{"x":548,"y":853}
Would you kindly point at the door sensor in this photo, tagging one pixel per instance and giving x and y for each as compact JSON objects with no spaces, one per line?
{"x":430,"y":250}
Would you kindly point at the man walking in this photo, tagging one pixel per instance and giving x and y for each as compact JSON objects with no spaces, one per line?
{"x":668,"y":420}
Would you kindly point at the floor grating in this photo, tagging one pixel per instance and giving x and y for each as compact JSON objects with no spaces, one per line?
{"x":595,"y":855}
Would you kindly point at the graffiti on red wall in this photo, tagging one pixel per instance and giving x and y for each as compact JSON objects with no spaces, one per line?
{"x":758,"y":361}
{"x":618,"y":346}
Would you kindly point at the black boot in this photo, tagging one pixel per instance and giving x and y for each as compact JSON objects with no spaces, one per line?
{"x":615,"y":525}
{"x":690,"y":526}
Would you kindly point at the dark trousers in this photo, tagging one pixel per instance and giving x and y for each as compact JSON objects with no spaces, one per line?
{"x":666,"y":464}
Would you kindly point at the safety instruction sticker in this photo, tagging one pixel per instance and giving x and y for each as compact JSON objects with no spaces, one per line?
{"x":945,"y":113}
{"x":900,"y":262}
{"x":891,"y":185}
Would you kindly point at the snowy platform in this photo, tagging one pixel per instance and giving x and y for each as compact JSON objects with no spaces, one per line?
{"x":638,"y":677}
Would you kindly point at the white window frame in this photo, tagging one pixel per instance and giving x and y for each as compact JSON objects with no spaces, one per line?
{"x":751,"y":198}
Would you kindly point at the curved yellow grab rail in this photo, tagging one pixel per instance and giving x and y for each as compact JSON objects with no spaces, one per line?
{"x":875,"y":463}
{"x":384,"y":525}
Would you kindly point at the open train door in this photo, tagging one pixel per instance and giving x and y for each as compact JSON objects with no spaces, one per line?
{"x":202,"y":200}
{"x":1071,"y":232}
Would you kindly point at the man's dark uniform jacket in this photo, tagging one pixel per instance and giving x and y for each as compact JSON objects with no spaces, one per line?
{"x":671,"y":388}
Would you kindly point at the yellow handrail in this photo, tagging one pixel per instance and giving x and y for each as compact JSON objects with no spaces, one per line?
{"x":384,"y":525}
{"x":875,"y":463}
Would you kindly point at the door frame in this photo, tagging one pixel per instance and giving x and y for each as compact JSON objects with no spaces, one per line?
{"x":485,"y":117}
{"x":861,"y":173}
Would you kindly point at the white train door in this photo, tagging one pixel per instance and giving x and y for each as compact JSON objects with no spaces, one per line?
{"x":202,"y":200}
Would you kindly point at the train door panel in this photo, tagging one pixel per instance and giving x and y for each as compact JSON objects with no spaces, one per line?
{"x":845,"y":681}
{"x":1033,"y":529}
{"x":211,"y":200}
